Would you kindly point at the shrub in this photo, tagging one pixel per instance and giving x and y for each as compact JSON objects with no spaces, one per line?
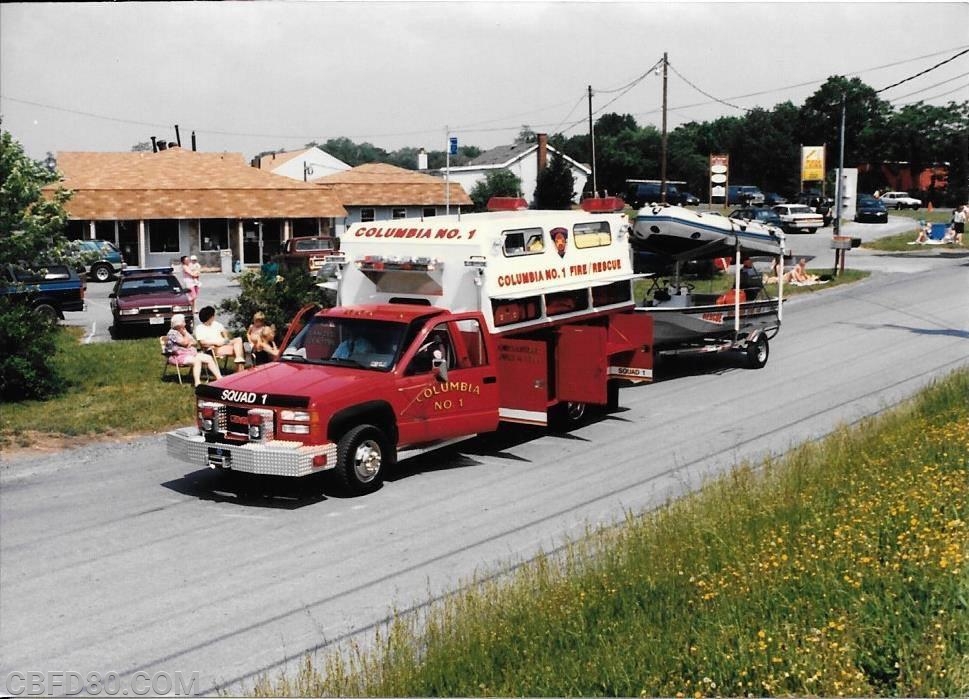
{"x":278,"y":296}
{"x":27,"y":347}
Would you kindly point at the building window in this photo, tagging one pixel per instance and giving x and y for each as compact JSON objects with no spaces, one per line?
{"x":367,"y":215}
{"x":77,"y":230}
{"x":104,"y":230}
{"x":304,"y":227}
{"x":163,"y":235}
{"x":429,"y":211}
{"x":214,"y":234}
{"x":399,"y":213}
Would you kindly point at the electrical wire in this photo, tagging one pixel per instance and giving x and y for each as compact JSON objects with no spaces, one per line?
{"x":705,"y":94}
{"x":930,"y":87}
{"x":923,"y":72}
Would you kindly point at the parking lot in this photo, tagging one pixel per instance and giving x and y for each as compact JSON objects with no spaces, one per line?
{"x":96,"y":318}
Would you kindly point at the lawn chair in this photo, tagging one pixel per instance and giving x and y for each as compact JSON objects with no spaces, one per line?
{"x":938,"y":231}
{"x":171,"y":360}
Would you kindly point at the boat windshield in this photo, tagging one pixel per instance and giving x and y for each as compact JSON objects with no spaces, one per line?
{"x":353,"y":342}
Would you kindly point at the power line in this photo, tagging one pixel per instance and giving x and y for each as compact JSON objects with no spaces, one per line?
{"x":930,"y":87}
{"x":705,"y":94}
{"x":923,"y":72}
{"x":964,"y":86}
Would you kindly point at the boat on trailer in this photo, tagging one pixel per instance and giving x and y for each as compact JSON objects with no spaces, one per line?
{"x":743,"y":318}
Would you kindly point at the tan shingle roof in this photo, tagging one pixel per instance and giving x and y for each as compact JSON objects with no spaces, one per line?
{"x":380,"y":184}
{"x":274,"y":160}
{"x":177,"y":183}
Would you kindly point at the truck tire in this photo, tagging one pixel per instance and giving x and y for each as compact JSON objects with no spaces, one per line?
{"x":363,"y":455}
{"x":567,"y":416}
{"x":101,"y":272}
{"x":47,"y":311}
{"x":757,"y":352}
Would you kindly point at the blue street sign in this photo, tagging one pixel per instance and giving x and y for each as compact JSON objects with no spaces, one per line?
{"x":454,"y":145}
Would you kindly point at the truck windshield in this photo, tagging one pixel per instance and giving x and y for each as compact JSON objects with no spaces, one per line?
{"x":354,"y":342}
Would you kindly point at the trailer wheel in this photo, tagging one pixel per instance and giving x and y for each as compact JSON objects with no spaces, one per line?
{"x":362,"y":457}
{"x":757,"y":352}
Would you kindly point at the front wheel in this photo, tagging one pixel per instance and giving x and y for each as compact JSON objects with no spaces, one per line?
{"x":363,"y":455}
{"x":757,"y":352}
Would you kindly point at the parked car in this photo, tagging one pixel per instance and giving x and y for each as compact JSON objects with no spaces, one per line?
{"x":799,"y":218}
{"x":760,"y":214}
{"x":639,"y":194}
{"x":773,"y":198}
{"x":148,"y":298}
{"x":307,"y":252}
{"x":870,"y":210}
{"x":900,"y":200}
{"x":49,"y":290}
{"x":819,"y":204}
{"x":689,"y":199}
{"x":99,"y":259}
{"x":744,"y":194}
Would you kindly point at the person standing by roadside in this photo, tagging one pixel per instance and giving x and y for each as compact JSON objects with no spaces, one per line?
{"x":959,"y":223}
{"x":189,"y":277}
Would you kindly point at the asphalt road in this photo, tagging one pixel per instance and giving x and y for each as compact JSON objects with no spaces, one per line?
{"x":116,"y":558}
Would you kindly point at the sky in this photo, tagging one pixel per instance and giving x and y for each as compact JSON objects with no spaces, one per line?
{"x":257,"y":76}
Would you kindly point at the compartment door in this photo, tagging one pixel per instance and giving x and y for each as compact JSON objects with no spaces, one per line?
{"x":523,"y":378}
{"x":581,"y":365}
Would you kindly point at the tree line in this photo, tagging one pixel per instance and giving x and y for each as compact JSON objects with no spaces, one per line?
{"x":764,"y":145}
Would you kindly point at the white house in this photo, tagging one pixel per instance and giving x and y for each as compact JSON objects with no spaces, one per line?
{"x":524,"y":160}
{"x":304,"y":165}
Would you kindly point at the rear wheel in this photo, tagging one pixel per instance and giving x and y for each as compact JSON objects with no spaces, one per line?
{"x":101,"y":272}
{"x":757,"y":352}
{"x":566,"y":416}
{"x":363,"y":455}
{"x":47,"y":312}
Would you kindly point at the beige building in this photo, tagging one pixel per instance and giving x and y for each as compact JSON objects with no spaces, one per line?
{"x":158,"y":206}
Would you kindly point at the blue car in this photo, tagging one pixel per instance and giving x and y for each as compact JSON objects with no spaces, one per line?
{"x":870,"y":210}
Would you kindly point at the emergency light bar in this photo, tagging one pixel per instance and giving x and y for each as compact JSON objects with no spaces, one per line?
{"x":381,"y":263}
{"x":132,"y":271}
{"x":598,"y":205}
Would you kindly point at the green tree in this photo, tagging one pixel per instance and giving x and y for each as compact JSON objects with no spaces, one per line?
{"x":555,"y":185}
{"x":499,"y":183}
{"x":31,"y":234}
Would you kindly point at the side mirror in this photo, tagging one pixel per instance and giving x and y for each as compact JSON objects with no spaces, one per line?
{"x":439,"y":366}
{"x":112,"y":295}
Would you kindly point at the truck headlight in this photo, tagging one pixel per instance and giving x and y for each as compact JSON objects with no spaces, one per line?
{"x":295,"y":421}
{"x":129,"y":311}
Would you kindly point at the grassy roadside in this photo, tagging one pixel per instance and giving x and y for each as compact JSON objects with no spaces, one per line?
{"x":841,"y":569}
{"x":113,"y":388}
{"x":900,"y":242}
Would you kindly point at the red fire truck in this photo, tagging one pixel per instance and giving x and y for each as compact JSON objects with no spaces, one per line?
{"x":443,"y":328}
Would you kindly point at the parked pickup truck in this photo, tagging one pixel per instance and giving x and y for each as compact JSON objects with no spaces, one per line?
{"x":50,"y":290}
{"x":307,"y":252}
{"x":799,"y":218}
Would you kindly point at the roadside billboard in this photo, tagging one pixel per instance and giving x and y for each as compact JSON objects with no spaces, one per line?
{"x":812,"y":164}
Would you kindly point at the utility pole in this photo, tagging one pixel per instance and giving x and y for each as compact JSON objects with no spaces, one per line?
{"x":662,"y":157}
{"x":592,"y":147}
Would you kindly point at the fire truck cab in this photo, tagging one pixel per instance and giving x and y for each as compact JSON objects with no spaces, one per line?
{"x":443,"y":328}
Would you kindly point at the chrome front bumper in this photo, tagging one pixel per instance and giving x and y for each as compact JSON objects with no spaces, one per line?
{"x":273,"y":458}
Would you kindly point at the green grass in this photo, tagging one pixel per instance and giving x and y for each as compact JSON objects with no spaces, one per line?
{"x":112,"y":388}
{"x":841,"y":569}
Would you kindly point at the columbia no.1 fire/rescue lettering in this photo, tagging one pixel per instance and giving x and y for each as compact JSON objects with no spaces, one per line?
{"x":551,"y":273}
{"x":415,"y":233}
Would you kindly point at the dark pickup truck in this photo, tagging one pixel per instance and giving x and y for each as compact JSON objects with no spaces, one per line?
{"x":50,"y":290}
{"x":308,"y":252}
